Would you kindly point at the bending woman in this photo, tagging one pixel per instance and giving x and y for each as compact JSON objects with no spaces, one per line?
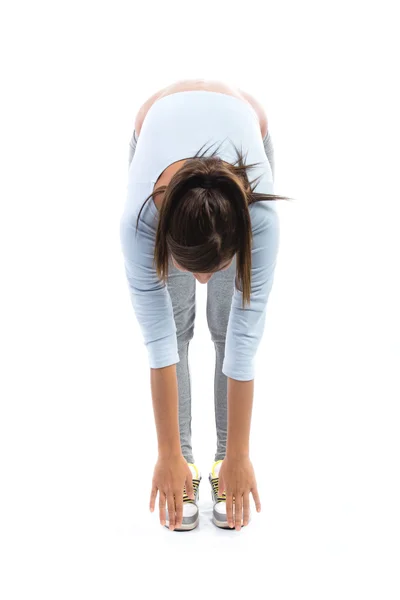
{"x":193,"y":212}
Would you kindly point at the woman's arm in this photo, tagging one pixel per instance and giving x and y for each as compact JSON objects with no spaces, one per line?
{"x":240,"y":404}
{"x":164,"y":389}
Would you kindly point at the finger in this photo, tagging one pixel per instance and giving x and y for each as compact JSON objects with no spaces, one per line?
{"x":178,"y":508}
{"x":256,"y":497}
{"x":171,"y":510}
{"x":229,"y":509}
{"x":246,"y":508}
{"x":153,"y":497}
{"x":161,"y":504}
{"x":220,"y":487}
{"x":238,"y":511}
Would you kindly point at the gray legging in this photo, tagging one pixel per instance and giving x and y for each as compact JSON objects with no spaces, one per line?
{"x":182,"y":289}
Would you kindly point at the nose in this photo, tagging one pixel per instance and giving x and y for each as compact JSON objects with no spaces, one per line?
{"x":202,"y":277}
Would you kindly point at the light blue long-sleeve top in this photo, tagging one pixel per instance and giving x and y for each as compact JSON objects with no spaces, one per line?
{"x":175,"y":128}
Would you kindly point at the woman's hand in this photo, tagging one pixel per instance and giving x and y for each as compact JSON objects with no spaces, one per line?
{"x":237,"y":479}
{"x":171,"y":475}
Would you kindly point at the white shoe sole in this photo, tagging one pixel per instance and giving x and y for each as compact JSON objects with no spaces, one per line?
{"x":184,"y":527}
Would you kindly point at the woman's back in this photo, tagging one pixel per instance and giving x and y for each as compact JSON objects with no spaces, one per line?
{"x":176,"y":127}
{"x":205,"y":85}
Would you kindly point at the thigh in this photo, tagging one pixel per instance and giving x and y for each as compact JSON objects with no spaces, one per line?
{"x":182,"y":290}
{"x":219,"y":299}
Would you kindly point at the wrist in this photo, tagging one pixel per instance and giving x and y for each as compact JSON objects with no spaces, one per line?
{"x":169,"y":451}
{"x":237,"y":453}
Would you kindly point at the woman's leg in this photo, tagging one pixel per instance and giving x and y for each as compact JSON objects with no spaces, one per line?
{"x":182,"y":290}
{"x":219,"y":299}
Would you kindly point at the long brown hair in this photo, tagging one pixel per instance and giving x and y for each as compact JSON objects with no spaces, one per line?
{"x":204,"y":219}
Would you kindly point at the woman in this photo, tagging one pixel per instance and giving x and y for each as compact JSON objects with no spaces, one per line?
{"x":197,"y":216}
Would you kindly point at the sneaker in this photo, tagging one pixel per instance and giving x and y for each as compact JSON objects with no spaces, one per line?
{"x":219,"y":502}
{"x":190,"y":515}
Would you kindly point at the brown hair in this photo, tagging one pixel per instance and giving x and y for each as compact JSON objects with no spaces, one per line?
{"x":204,"y":218}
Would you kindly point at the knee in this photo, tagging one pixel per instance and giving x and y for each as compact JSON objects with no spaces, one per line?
{"x":217,"y":324}
{"x":185,"y":334}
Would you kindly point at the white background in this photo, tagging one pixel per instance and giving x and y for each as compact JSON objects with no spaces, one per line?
{"x":78,"y":441}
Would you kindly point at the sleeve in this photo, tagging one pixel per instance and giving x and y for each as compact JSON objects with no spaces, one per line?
{"x":246,"y":325}
{"x":149,"y":297}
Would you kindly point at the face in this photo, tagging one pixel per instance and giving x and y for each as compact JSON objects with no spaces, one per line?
{"x":203,"y":277}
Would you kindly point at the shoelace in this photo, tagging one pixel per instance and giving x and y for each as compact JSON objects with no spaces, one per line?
{"x":214,"y":483}
{"x":196,"y":483}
